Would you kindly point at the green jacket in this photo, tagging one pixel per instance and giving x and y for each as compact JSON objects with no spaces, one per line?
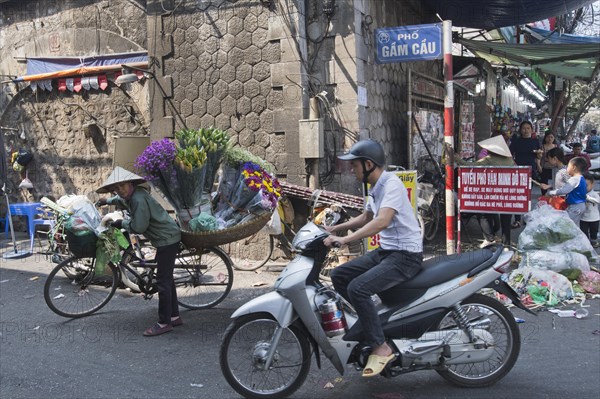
{"x":148,"y":217}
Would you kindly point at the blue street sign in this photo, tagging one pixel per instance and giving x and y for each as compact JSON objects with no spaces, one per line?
{"x":409,"y":43}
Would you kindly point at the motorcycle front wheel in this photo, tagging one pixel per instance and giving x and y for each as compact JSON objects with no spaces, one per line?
{"x":247,"y":342}
{"x":486,"y":313}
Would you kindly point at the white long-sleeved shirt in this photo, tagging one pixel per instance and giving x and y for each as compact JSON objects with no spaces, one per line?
{"x":592,"y":212}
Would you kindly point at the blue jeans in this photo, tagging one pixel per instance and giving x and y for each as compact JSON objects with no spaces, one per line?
{"x":370,"y":274}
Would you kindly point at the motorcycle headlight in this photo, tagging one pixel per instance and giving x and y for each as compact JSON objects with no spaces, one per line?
{"x":307,"y":235}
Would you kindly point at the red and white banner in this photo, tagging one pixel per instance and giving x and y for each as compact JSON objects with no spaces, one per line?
{"x":494,"y":189}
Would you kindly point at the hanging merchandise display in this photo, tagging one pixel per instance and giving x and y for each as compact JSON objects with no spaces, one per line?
{"x":20,"y":159}
{"x":95,"y":82}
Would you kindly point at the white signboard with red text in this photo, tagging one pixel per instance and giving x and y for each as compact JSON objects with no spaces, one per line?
{"x":494,"y":189}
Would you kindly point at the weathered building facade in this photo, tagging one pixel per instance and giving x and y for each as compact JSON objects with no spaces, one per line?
{"x":250,"y":67}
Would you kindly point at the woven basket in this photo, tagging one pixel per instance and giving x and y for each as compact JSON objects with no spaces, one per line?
{"x":205,"y":239}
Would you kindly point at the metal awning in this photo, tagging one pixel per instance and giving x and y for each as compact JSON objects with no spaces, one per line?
{"x":490,"y":14}
{"x":565,"y":60}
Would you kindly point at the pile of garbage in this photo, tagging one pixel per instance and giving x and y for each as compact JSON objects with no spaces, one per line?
{"x":556,"y":258}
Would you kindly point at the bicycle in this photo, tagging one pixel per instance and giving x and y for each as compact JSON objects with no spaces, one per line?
{"x":429,"y":205}
{"x":76,"y":287}
{"x":430,"y":198}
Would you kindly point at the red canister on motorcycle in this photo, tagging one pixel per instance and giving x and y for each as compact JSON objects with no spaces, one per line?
{"x":332,"y":318}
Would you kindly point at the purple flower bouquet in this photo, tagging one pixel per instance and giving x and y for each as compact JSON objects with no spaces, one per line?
{"x":156,"y":165}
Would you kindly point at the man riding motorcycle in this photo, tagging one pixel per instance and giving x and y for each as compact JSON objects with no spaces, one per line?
{"x":388,"y":212}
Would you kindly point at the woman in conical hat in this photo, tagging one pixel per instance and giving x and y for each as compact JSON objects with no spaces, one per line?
{"x":498,"y":152}
{"x":148,"y":217}
{"x":119,"y":175}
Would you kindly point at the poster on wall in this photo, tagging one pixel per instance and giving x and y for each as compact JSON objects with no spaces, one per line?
{"x":467,"y":130}
{"x":431,"y":124}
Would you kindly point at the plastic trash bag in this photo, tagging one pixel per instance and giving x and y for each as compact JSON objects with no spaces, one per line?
{"x":204,"y":222}
{"x":557,"y":284}
{"x":273,"y":226}
{"x":82,"y":209}
{"x":541,"y":294}
{"x":590,"y":282}
{"x":555,"y":261}
{"x":552,"y":230}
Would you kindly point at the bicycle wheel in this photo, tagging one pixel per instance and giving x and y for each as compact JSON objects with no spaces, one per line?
{"x":252,"y":252}
{"x":431,"y":218}
{"x":203,"y":278}
{"x":421,"y":224}
{"x":84,"y":292}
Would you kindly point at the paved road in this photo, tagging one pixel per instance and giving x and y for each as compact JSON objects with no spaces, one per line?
{"x":104,"y":356}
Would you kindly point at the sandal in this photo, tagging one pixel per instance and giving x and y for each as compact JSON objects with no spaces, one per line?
{"x":515,"y":225}
{"x":156,"y":329}
{"x":376,"y":364}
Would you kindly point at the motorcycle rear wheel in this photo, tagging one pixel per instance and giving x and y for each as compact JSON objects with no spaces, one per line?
{"x":246,"y":342}
{"x":507,"y":342}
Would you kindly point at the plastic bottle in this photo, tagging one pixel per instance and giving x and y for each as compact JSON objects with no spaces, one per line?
{"x":579,"y":313}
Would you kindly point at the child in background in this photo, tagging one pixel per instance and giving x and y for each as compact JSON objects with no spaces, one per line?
{"x":591,"y":217}
{"x":575,"y":189}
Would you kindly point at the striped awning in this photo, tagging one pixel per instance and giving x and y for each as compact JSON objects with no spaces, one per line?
{"x":44,"y":68}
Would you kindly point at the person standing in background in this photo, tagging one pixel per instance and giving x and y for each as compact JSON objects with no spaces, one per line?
{"x":556,"y":158}
{"x":593,"y":142}
{"x":591,"y":216}
{"x":548,"y":143}
{"x":578,"y":152}
{"x":526,"y":152}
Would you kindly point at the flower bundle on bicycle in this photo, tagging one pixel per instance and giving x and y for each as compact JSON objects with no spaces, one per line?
{"x":247,"y":192}
{"x":184,"y":170}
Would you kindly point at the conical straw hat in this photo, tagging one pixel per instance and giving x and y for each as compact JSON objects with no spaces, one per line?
{"x":497,"y":145}
{"x":119,"y":175}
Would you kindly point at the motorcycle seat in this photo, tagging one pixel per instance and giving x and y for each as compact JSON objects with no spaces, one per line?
{"x":436,"y":271}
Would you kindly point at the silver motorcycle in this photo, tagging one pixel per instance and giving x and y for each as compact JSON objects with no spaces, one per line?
{"x":435,"y":321}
